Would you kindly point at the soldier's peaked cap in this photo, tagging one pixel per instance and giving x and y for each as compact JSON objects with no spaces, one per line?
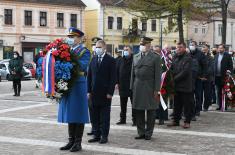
{"x":75,"y":32}
{"x":95,"y":39}
{"x":145,"y":40}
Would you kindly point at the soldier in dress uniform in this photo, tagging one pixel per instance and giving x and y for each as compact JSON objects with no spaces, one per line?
{"x":145,"y":84}
{"x":73,"y":108}
{"x":94,"y":41}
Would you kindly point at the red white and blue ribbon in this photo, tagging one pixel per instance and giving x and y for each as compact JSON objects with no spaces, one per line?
{"x":49,"y":74}
{"x":164,"y":106}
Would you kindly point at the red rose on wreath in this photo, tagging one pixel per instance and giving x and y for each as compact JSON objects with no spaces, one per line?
{"x":163,"y":91}
{"x":55,"y":53}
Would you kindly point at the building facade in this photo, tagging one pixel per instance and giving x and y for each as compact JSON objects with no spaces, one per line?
{"x":211,"y":33}
{"x":118,"y":27}
{"x":27,"y":26}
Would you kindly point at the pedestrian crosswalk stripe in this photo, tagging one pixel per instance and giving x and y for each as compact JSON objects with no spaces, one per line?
{"x":128,"y":128}
{"x":97,"y":148}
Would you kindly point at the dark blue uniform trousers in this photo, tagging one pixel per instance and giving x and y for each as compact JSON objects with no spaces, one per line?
{"x":101,"y":118}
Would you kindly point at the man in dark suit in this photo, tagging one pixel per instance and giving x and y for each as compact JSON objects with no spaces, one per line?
{"x":223,"y":62}
{"x":101,"y":84}
{"x":94,"y":41}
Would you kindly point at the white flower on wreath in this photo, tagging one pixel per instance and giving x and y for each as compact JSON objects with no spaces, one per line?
{"x":62,"y":85}
{"x":228,"y":84}
{"x":230,"y":95}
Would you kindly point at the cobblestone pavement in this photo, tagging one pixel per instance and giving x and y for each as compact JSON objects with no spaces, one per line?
{"x":28,"y":127}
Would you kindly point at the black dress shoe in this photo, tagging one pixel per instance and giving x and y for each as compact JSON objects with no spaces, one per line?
{"x":103,"y":140}
{"x":90,"y":133}
{"x":161,"y":122}
{"x":218,"y":109}
{"x":121,"y":122}
{"x":134,"y":124}
{"x":147,"y":138}
{"x":76,"y":147}
{"x":68,"y":145}
{"x":193,"y":118}
{"x":140,"y":137}
{"x":94,"y":140}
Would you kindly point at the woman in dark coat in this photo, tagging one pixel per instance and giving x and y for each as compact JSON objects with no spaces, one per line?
{"x":15,"y":69}
{"x":123,"y":82}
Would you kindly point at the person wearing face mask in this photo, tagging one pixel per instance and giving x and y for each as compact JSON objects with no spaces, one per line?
{"x":15,"y":69}
{"x":123,"y":83}
{"x":223,"y":62}
{"x":94,"y":41}
{"x":208,"y":83}
{"x":183,"y":98}
{"x":101,"y":84}
{"x":73,"y":108}
{"x":145,"y":85}
{"x":199,"y":68}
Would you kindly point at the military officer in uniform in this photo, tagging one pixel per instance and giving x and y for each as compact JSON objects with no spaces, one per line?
{"x":73,"y":108}
{"x":94,"y":41}
{"x":145,"y":84}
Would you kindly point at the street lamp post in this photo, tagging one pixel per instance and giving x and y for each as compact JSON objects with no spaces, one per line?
{"x":161,"y":22}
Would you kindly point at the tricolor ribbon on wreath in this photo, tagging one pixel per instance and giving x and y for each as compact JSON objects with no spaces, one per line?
{"x":228,"y":73}
{"x":164,"y":106}
{"x":48,"y":71}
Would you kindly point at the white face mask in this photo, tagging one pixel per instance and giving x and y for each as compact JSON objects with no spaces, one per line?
{"x":230,"y":53}
{"x":142,"y":48}
{"x":192,"y":48}
{"x":70,"y":41}
{"x":125,"y":53}
{"x":93,"y":48}
{"x":15,"y":56}
{"x":99,"y":51}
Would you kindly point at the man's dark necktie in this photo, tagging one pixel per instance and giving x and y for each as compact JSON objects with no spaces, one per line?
{"x":99,"y":61}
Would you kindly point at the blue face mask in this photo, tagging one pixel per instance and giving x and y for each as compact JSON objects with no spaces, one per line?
{"x":99,"y":51}
{"x":70,"y":41}
{"x":125,"y":53}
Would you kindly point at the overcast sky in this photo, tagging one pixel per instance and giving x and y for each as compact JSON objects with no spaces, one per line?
{"x":91,"y":4}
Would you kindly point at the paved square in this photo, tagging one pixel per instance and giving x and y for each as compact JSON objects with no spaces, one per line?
{"x":28,"y":127}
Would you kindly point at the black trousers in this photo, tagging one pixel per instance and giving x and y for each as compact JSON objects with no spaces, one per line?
{"x":162,"y":115}
{"x":75,"y":131}
{"x":142,"y":127}
{"x":183,"y":101}
{"x":91,"y":114}
{"x":219,"y":87}
{"x":206,"y":85}
{"x":123,"y":104}
{"x":101,"y":120}
{"x":198,"y":95}
{"x":17,"y":86}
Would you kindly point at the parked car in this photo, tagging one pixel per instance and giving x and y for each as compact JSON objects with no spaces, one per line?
{"x":31,"y":67}
{"x":5,"y":71}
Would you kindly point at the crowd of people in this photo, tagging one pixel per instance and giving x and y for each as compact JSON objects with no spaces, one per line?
{"x":197,"y":81}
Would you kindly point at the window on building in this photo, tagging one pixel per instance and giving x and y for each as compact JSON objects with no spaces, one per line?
{"x":154,"y":25}
{"x":28,"y":18}
{"x":8,"y":16}
{"x":203,"y":30}
{"x":119,"y":23}
{"x":170,"y":23}
{"x":134,"y":26}
{"x":73,"y":20}
{"x":60,"y":20}
{"x":195,"y":30}
{"x":220,"y":29}
{"x":43,"y":19}
{"x":144,"y":25}
{"x":110,"y":22}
